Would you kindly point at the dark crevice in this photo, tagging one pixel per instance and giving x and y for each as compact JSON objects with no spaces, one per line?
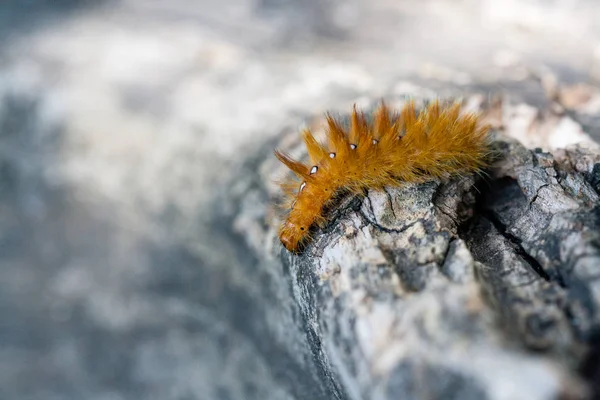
{"x":517,"y":244}
{"x":335,"y":211}
{"x":594,"y":177}
{"x":481,"y":211}
{"x":389,"y":196}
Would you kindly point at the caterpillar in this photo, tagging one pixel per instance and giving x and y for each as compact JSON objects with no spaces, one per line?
{"x":389,"y":149}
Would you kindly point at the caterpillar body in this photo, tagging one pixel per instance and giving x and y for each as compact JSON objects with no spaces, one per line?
{"x":392,"y":148}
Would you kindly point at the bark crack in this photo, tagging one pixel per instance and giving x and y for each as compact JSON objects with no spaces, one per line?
{"x":517,"y":245}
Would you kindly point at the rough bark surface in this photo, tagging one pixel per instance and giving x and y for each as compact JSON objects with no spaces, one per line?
{"x":476,"y":288}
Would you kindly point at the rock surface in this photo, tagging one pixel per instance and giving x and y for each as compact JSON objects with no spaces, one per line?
{"x":476,"y":288}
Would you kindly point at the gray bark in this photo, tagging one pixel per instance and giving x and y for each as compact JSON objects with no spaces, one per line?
{"x":481,"y":287}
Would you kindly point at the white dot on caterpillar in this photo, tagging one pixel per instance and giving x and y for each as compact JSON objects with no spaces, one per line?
{"x":314,"y":170}
{"x":375,"y":141}
{"x":302,"y":186}
{"x":353,"y":146}
{"x":331,"y":155}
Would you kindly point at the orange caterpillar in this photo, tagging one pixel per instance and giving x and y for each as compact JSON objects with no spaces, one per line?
{"x":399,"y":147}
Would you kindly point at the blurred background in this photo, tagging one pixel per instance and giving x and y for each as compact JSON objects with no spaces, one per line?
{"x":122,"y":124}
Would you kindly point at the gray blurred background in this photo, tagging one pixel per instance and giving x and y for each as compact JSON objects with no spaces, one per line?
{"x":122,"y":124}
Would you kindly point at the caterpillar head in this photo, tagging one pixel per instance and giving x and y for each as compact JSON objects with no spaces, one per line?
{"x":292,"y":235}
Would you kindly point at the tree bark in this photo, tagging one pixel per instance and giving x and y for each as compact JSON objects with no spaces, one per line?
{"x":482,"y":287}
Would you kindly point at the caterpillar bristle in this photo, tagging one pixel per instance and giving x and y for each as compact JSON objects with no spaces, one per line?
{"x":355,"y":126}
{"x":316,"y":151}
{"x":395,"y":147}
{"x":298,"y":168}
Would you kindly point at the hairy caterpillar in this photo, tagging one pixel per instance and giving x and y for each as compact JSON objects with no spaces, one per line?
{"x":392,"y":149}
